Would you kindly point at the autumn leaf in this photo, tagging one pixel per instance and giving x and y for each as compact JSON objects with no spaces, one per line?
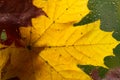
{"x":108,"y":12}
{"x":13,"y":17}
{"x":54,"y":47}
{"x":101,"y":73}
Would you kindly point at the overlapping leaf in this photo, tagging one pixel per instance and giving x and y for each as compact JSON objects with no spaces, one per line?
{"x":108,"y":12}
{"x":112,"y":63}
{"x":56,"y":47}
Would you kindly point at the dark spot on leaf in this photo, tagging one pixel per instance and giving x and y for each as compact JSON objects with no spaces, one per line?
{"x":46,"y":61}
{"x":66,"y":8}
{"x":53,"y":22}
{"x":29,"y":47}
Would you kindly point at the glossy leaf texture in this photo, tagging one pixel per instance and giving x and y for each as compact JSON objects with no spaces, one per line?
{"x":108,"y":11}
{"x":54,"y":47}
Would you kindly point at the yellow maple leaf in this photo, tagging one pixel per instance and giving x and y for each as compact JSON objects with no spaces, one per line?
{"x":54,"y":47}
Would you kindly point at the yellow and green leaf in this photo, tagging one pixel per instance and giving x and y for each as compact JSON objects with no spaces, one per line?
{"x":54,"y":47}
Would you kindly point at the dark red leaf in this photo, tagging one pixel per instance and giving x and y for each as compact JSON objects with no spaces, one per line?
{"x":95,"y":75}
{"x":113,"y":74}
{"x":13,"y":15}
